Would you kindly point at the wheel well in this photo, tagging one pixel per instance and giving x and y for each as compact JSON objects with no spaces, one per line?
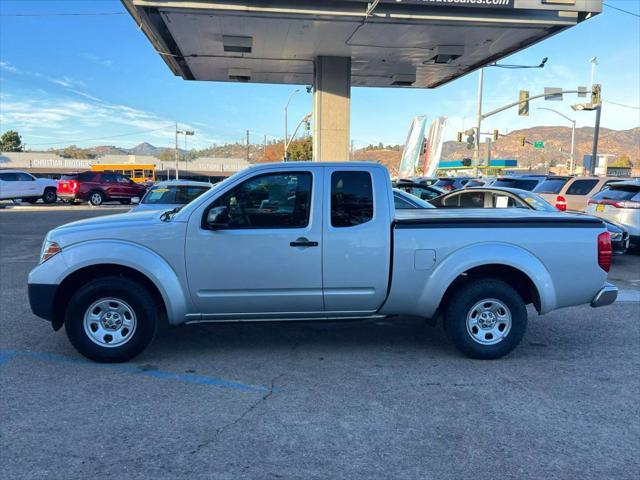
{"x":84,"y":275}
{"x":519,"y":280}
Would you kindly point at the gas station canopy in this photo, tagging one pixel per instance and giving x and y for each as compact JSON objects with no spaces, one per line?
{"x":391,"y":43}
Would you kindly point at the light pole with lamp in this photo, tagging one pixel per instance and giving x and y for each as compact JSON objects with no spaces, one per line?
{"x":185,"y":133}
{"x":573,"y":136}
{"x":293,"y":135}
{"x":286,"y":131}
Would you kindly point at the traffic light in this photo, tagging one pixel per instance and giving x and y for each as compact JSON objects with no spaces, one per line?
{"x":523,"y":106}
{"x":596,"y":97}
{"x":471,"y":142}
{"x":496,"y":134}
{"x":523,"y":141}
{"x":459,"y":137}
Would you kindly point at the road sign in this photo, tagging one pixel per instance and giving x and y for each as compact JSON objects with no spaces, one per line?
{"x":538,"y":144}
{"x":551,"y":93}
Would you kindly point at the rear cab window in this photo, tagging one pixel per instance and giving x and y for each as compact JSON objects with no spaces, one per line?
{"x":521,"y":183}
{"x":351,"y":198}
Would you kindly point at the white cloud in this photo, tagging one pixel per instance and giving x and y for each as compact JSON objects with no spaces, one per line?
{"x":8,"y":67}
{"x":67,"y":82}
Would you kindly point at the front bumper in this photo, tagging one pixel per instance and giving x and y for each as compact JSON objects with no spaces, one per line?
{"x":41,"y":298}
{"x":606,"y":296}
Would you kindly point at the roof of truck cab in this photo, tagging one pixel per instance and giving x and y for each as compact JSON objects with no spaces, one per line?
{"x":481,"y":217}
{"x":295,"y":165}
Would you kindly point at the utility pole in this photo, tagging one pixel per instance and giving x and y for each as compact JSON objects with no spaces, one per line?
{"x":247,"y":145}
{"x":476,"y":153}
{"x":176,"y":151}
{"x":264,"y":146}
{"x":286,"y":127}
{"x":596,"y":134}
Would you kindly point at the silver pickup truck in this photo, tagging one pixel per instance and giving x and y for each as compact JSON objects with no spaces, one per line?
{"x":315,"y":241}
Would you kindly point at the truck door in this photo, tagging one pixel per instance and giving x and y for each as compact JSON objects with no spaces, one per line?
{"x":266,"y":260}
{"x":357,"y":239}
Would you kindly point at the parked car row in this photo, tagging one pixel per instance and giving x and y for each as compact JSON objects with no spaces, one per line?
{"x":615,"y":201}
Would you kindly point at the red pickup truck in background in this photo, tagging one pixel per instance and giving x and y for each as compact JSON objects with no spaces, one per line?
{"x":99,"y":187}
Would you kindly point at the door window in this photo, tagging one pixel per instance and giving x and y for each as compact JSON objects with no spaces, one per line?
{"x":351,"y":198}
{"x":279,"y":200}
{"x":123,"y":179}
{"x":25,"y":177}
{"x":581,"y":187}
{"x":9,"y":177}
{"x":109,"y":177}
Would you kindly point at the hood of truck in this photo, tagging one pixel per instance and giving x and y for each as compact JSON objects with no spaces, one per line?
{"x":138,"y":227}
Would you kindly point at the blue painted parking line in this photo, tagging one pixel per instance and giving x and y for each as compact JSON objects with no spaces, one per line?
{"x":7,"y":354}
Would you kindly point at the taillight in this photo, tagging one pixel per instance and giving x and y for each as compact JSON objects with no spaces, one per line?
{"x":447,"y":188}
{"x":627,"y":204}
{"x":73,"y":185}
{"x":604,"y":251}
{"x":561,"y":203}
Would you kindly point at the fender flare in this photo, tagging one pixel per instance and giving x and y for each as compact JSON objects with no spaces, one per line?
{"x":481,"y":254}
{"x":136,"y":257}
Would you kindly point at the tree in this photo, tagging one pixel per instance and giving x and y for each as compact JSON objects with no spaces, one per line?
{"x":10,"y":142}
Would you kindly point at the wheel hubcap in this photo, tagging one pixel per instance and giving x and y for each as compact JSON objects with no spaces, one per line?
{"x":489,"y":321}
{"x":96,"y":198}
{"x":109,"y":322}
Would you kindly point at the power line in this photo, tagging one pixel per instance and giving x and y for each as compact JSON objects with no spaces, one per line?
{"x":103,"y":138}
{"x":621,"y":104}
{"x":622,"y":10}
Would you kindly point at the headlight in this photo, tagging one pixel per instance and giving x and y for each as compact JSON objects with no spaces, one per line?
{"x":49,"y":249}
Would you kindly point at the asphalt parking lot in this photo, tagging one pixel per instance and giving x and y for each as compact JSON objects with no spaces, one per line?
{"x":383,"y":399}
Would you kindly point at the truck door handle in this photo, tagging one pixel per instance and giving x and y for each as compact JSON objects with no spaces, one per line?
{"x":303,"y":242}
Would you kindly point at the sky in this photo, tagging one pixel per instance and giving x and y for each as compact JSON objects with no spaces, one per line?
{"x":95,"y":80}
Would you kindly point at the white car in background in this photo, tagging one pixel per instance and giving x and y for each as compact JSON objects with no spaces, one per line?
{"x":170,"y":194}
{"x":16,"y":184}
{"x":619,"y":202}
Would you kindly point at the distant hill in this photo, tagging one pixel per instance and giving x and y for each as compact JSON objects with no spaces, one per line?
{"x":619,"y":143}
{"x":144,"y":148}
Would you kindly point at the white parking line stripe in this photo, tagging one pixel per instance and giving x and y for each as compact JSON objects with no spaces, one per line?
{"x":629,"y":296}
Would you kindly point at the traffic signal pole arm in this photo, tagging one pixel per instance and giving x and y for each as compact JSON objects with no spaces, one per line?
{"x":514,"y":104}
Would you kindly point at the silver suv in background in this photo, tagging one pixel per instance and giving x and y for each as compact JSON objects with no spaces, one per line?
{"x":620,"y":203}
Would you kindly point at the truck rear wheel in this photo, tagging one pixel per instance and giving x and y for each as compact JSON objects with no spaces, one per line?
{"x":486,"y":318}
{"x":111,"y":319}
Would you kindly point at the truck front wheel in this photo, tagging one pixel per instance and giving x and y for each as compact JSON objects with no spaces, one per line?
{"x":486,"y":318}
{"x":111,"y":319}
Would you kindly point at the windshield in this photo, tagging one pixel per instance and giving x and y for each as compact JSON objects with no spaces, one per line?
{"x":551,"y":185}
{"x":521,"y":183}
{"x":173,"y":194}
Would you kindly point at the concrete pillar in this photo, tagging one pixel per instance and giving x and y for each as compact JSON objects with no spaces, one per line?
{"x":331,"y":109}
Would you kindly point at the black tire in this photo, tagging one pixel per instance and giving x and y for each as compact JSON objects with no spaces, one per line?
{"x":50,"y":196}
{"x":461,"y":304}
{"x":96,"y":198}
{"x":123,"y":289}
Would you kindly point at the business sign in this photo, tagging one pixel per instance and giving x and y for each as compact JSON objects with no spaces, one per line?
{"x":455,"y":3}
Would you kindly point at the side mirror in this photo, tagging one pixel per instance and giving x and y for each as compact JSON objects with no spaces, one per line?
{"x":135,"y":200}
{"x":217,"y":217}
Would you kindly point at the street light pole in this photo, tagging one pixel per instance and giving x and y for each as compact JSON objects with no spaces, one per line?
{"x":573,"y":137}
{"x":185,"y":133}
{"x":286,"y":131}
{"x":596,"y":134}
{"x":476,"y":153}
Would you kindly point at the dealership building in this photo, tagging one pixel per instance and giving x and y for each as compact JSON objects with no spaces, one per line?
{"x":334,"y":45}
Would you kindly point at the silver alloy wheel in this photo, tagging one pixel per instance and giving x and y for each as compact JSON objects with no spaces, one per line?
{"x":96,"y":198}
{"x":489,"y":321}
{"x":110,"y":322}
